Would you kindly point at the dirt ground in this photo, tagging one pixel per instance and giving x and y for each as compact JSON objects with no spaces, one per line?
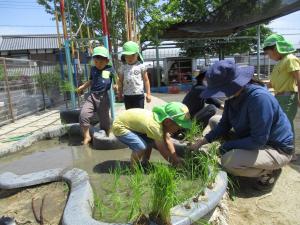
{"x":19,"y":204}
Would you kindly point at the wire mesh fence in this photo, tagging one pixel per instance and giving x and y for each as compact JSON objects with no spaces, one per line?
{"x":27,"y":87}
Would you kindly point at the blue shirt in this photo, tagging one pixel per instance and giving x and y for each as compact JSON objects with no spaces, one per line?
{"x":101,"y":79}
{"x":257,"y":120}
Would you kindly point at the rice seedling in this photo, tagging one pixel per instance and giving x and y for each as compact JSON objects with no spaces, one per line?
{"x":194,"y":132}
{"x":164,"y":187}
{"x":136,"y":186}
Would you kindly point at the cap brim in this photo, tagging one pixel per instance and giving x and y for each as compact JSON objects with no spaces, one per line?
{"x":246,"y":74}
{"x":129,"y":53}
{"x":102,"y":55}
{"x":185,"y":124}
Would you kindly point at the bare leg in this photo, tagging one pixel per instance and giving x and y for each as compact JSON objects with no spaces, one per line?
{"x":147,"y":155}
{"x":86,"y":135}
{"x":136,"y":157}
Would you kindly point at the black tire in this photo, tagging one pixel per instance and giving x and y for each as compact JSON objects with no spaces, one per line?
{"x":75,"y":130}
{"x":102,"y":142}
{"x":72,"y":116}
{"x":69,"y":116}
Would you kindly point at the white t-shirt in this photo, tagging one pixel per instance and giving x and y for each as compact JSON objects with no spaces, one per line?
{"x":133,"y":83}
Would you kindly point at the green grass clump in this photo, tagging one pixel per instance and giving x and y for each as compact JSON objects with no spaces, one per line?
{"x":164,"y":189}
{"x":195,"y":132}
{"x":136,"y":181}
{"x":201,"y":165}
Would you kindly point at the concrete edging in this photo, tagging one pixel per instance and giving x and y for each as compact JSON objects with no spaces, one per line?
{"x":80,"y":203}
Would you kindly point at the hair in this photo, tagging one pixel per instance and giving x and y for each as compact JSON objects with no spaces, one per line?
{"x":200,"y":78}
{"x":273,"y":47}
{"x":124,"y":61}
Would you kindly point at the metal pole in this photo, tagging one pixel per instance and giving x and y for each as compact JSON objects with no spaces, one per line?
{"x":67,"y":52}
{"x":42,"y":84}
{"x":258,"y":51}
{"x":62,"y":76}
{"x":70,"y":77}
{"x":105,"y":40}
{"x":157,"y":67}
{"x":8,"y":92}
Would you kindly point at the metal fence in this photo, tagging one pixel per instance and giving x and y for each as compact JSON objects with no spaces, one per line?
{"x":27,"y":87}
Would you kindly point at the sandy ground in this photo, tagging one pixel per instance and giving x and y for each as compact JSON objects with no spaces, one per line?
{"x":19,"y":204}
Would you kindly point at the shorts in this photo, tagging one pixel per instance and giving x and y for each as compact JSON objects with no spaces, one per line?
{"x":136,"y":141}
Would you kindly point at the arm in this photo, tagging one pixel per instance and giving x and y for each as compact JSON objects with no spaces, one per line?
{"x":260,"y":123}
{"x":81,"y":88}
{"x":120,"y":86}
{"x":216,"y":102}
{"x":296,"y":75}
{"x":221,"y":129}
{"x":147,"y":86}
{"x":167,"y":150}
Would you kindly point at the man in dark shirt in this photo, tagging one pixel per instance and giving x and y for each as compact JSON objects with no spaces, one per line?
{"x":101,"y":77}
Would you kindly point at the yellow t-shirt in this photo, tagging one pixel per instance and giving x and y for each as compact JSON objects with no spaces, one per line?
{"x":281,"y":78}
{"x":139,"y":120}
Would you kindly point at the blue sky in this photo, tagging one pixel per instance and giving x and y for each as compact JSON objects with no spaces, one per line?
{"x":29,"y":13}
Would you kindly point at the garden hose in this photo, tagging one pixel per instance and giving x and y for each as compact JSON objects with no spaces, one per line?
{"x":16,"y":138}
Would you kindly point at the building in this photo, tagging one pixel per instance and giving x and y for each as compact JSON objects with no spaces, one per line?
{"x":35,"y":47}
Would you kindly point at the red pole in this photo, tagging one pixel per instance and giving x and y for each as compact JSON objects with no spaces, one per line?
{"x":103,"y":18}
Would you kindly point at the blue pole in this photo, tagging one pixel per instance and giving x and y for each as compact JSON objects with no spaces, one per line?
{"x":85,"y":67}
{"x":69,"y":64}
{"x":105,"y":40}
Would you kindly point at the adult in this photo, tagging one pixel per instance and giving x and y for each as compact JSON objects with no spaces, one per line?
{"x":196,"y":104}
{"x":263,"y":141}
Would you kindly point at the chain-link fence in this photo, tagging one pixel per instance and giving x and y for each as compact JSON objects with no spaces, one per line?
{"x":27,"y":87}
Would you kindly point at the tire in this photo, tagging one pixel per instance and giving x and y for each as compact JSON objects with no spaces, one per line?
{"x":102,"y":142}
{"x":69,"y":116}
{"x":72,"y":116}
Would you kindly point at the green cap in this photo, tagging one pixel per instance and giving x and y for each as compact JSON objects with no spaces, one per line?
{"x":175,"y":111}
{"x":282,"y":46}
{"x":131,"y":48}
{"x":101,"y":51}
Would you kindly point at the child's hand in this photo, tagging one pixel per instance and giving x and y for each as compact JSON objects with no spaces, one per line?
{"x":79,"y":91}
{"x":148,"y":98}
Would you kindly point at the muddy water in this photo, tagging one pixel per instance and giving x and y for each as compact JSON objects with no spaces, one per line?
{"x":65,"y":153}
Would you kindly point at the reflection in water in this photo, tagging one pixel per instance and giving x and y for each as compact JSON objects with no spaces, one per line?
{"x":66,"y":153}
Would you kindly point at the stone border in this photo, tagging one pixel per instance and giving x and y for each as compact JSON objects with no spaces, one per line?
{"x":78,"y":210}
{"x":42,"y":134}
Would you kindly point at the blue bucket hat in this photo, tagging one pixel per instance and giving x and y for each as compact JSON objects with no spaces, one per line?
{"x":225,"y":78}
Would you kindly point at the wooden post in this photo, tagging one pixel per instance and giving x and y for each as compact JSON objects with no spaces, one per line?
{"x":8,"y":92}
{"x":126,"y":20}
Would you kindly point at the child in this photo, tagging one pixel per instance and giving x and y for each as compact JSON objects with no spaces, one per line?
{"x":141,"y":128}
{"x":133,"y":77}
{"x":101,"y":76}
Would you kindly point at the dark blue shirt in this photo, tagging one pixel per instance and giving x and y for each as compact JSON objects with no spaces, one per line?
{"x":101,"y":79}
{"x":257,"y":120}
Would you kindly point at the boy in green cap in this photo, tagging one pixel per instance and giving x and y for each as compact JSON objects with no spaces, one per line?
{"x":100,"y":80}
{"x":285,"y":77}
{"x":140,"y":129}
{"x":133,"y":77}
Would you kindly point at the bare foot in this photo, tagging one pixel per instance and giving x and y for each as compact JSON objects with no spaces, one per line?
{"x":87,"y":140}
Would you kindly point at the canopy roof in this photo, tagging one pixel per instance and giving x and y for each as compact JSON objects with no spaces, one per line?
{"x":231,"y":17}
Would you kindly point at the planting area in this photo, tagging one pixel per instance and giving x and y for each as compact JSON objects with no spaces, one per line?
{"x":121,"y":194}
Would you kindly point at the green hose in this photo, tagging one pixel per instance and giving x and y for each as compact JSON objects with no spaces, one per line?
{"x":16,"y":138}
